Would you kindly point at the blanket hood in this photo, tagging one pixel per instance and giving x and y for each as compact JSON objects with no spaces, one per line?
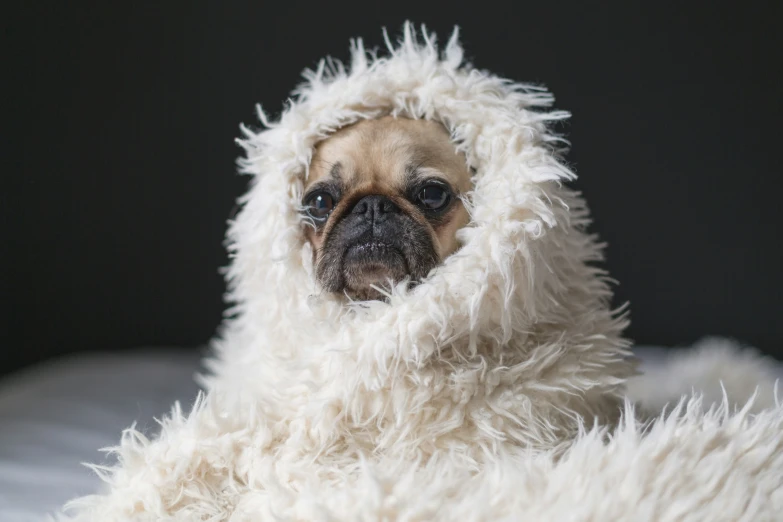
{"x":509,"y":342}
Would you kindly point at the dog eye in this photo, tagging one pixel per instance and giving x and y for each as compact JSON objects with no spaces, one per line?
{"x":319,"y":205}
{"x":434,"y":197}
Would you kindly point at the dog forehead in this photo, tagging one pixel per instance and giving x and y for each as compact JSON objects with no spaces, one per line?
{"x":362,"y":153}
{"x":384,"y":151}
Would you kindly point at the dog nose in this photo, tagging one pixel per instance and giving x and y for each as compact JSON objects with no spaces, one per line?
{"x":375,"y":207}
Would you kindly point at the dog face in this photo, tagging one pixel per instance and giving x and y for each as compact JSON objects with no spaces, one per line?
{"x":382,"y":202}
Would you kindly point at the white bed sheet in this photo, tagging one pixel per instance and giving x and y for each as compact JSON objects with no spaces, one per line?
{"x":58,"y":414}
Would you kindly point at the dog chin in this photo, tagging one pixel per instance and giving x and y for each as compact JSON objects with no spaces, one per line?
{"x":371,"y":264}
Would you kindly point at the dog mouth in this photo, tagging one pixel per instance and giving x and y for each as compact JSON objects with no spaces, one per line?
{"x":373,"y":263}
{"x":373,"y":248}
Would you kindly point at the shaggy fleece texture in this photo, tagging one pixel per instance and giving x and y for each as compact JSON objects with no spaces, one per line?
{"x":494,"y":390}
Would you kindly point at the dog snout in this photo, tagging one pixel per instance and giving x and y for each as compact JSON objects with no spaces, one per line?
{"x":375,"y":208}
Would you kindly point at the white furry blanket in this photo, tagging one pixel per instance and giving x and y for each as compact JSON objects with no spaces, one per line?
{"x":498,"y":389}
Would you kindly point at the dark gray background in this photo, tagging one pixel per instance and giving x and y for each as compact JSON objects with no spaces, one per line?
{"x":119,"y":157}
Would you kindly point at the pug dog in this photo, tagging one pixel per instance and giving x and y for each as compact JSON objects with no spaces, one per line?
{"x":383,"y":204}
